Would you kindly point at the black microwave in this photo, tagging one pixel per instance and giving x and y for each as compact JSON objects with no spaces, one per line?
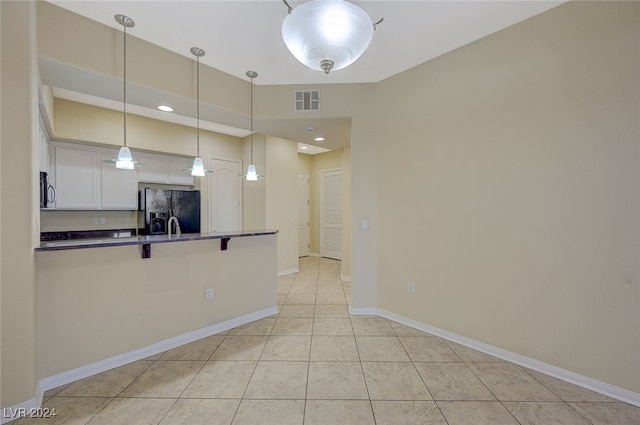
{"x":47,"y":191}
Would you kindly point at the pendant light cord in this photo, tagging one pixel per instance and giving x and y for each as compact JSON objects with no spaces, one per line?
{"x":198,"y":107}
{"x":124,"y":83}
{"x":197,"y":52}
{"x":252,"y":120}
{"x":251,"y":170}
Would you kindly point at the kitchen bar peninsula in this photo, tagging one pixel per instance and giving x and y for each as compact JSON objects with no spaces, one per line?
{"x":100,"y":306}
{"x":146,"y":241}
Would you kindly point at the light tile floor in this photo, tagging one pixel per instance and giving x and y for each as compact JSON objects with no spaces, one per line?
{"x":314,"y":364}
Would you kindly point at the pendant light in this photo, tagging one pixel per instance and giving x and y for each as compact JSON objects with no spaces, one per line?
{"x":327,"y":35}
{"x":251,"y":174}
{"x":124,"y":160}
{"x":197,"y":169}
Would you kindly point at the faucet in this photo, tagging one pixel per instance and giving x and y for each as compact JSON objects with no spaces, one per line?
{"x":178,"y":230}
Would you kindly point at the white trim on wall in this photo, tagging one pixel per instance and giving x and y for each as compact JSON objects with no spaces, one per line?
{"x":364,"y":311}
{"x":150,"y":350}
{"x":554,"y":371}
{"x":125,"y":358}
{"x":286,"y":272}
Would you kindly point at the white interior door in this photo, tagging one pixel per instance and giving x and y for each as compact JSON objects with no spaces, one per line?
{"x":303,"y":214}
{"x":225,"y":208}
{"x":331,"y":214}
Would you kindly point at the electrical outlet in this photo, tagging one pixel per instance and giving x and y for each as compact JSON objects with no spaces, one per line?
{"x":210,"y":293}
{"x":95,"y":220}
{"x":284,"y":252}
{"x":411,"y":287}
{"x":103,"y":220}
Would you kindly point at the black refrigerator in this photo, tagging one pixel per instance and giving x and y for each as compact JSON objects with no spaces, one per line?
{"x":157,"y":206}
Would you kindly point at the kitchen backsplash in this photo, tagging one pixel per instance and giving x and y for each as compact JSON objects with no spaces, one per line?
{"x":65,"y":220}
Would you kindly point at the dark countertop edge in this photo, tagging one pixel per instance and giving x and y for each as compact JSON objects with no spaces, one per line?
{"x":85,"y":234}
{"x":145,"y":240}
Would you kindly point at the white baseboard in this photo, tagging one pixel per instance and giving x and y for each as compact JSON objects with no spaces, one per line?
{"x":345,"y":278}
{"x":554,"y":371}
{"x":159,"y":347}
{"x":13,"y":412}
{"x":10,"y":413}
{"x":314,"y":254}
{"x":364,"y":311}
{"x":290,"y":271}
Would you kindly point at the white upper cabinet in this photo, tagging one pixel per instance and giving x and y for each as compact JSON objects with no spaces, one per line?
{"x":84,"y":182}
{"x":119,"y":188}
{"x":76,"y":177}
{"x":154,"y":170}
{"x":164,"y":169}
{"x":44,"y":150}
{"x":177,"y":175}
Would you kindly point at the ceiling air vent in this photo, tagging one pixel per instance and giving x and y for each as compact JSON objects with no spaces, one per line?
{"x":307,"y":100}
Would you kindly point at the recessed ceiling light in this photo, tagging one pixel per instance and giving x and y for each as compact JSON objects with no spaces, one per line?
{"x":165,"y":108}
{"x":303,"y":147}
{"x":319,"y":139}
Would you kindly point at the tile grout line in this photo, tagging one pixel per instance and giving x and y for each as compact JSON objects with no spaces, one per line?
{"x":557,"y":395}
{"x":242,"y":397}
{"x":364,"y":377}
{"x":313,"y":318}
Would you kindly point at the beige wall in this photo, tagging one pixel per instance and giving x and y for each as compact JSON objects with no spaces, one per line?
{"x":85,"y":123}
{"x":345,"y":266}
{"x":304,"y":162}
{"x":61,"y":220}
{"x":364,"y":202}
{"x":19,"y":207}
{"x":150,"y":301}
{"x":254,"y":192}
{"x":510,"y":192}
{"x":84,"y":44}
{"x":281,"y":199}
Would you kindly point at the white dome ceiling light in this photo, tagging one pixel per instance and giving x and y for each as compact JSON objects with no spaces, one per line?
{"x":327,"y":35}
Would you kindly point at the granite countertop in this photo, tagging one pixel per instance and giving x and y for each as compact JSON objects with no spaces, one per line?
{"x":58,"y":245}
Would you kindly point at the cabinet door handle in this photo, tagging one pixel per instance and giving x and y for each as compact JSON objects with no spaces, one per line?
{"x":52,"y":191}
